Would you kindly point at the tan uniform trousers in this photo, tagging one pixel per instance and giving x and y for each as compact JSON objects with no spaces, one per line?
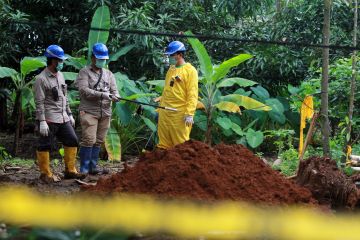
{"x":94,"y":129}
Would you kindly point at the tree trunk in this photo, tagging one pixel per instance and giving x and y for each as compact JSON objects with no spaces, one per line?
{"x":3,"y":114}
{"x":325,"y":125}
{"x":352,"y":83}
{"x":19,"y":120}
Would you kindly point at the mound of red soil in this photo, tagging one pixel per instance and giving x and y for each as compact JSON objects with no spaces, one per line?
{"x":328,"y":184}
{"x":194,"y":170}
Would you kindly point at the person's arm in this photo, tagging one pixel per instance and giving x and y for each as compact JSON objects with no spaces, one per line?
{"x":65,"y":92}
{"x":39,"y":91}
{"x":82,"y":83}
{"x":192,"y":92}
{"x":68,"y":109}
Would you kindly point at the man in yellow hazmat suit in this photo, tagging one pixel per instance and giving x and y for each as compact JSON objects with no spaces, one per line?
{"x":180,"y":92}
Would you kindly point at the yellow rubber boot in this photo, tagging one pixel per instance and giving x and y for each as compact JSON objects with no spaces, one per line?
{"x":70,"y":162}
{"x":46,"y":175}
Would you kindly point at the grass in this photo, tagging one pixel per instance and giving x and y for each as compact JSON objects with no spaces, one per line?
{"x":18,"y":162}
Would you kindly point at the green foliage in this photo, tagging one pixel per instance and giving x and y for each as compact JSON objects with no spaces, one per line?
{"x":4,"y":155}
{"x":22,"y":92}
{"x":340,"y":73}
{"x":282,"y":139}
{"x":101,"y":19}
{"x":298,"y":21}
{"x":349,"y":171}
{"x":125,"y":137}
{"x":254,"y":138}
{"x":113,"y":142}
{"x":214,"y":99}
{"x":128,"y":132}
{"x":62,"y":152}
{"x":289,"y":162}
{"x":241,"y":8}
{"x":6,"y":72}
{"x":241,"y":82}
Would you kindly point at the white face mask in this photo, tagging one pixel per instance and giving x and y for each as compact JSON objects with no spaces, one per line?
{"x":100,"y":63}
{"x":172,"y":60}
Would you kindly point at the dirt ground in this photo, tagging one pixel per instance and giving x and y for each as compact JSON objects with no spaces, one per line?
{"x":27,"y":173}
{"x":196,"y":171}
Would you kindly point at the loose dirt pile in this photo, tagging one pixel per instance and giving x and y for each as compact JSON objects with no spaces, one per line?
{"x":327,"y":183}
{"x":194,"y":170}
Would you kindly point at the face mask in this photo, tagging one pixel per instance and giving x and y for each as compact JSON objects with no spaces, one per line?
{"x":60,"y":66}
{"x":100,"y":63}
{"x":172,"y":61}
{"x":166,"y":60}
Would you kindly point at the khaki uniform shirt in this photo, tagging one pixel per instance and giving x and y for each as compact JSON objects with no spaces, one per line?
{"x":48,"y":107}
{"x":91,"y":100}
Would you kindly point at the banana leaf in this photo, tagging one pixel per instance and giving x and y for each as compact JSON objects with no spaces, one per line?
{"x":113,"y":144}
{"x":202,"y":55}
{"x":100,"y":20}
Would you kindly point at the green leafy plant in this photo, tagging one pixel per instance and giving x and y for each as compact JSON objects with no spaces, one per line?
{"x":23,"y":95}
{"x":289,"y":162}
{"x":127,"y":129}
{"x":213,"y":79}
{"x":100,"y":20}
{"x":283,"y":139}
{"x":4,"y":155}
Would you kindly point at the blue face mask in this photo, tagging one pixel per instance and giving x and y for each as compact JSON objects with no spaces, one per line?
{"x":60,"y":66}
{"x":100,"y":63}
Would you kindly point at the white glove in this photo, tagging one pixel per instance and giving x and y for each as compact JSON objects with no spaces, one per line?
{"x":189,"y":120}
{"x":106,"y":95}
{"x":44,"y":129}
{"x":115,"y":98}
{"x":72,"y":120}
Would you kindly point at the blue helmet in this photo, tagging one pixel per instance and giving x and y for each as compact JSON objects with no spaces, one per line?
{"x":55,"y":51}
{"x":100,"y":51}
{"x":175,"y":46}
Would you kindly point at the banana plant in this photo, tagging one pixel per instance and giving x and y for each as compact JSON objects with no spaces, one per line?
{"x":23,"y":94}
{"x":213,"y":79}
{"x":127,"y":129}
{"x":100,"y":20}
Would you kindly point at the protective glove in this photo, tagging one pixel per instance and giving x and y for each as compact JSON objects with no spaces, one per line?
{"x":115,"y":98}
{"x":107,"y":96}
{"x":44,"y":129}
{"x":158,"y":99}
{"x":189,"y":120}
{"x":72,"y":120}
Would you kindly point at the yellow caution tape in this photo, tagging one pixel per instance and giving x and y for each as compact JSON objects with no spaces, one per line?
{"x":306,"y":112}
{"x":228,"y":220}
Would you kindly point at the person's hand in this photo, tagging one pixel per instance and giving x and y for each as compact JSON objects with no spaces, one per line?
{"x":44,"y":129}
{"x":189,"y":120}
{"x":158,"y":99}
{"x":107,"y":96}
{"x":115,"y":98}
{"x":72,"y":120}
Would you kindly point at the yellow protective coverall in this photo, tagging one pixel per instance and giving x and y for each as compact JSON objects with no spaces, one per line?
{"x":180,"y":92}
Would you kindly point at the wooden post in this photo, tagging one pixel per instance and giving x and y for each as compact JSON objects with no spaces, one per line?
{"x":309,"y":135}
